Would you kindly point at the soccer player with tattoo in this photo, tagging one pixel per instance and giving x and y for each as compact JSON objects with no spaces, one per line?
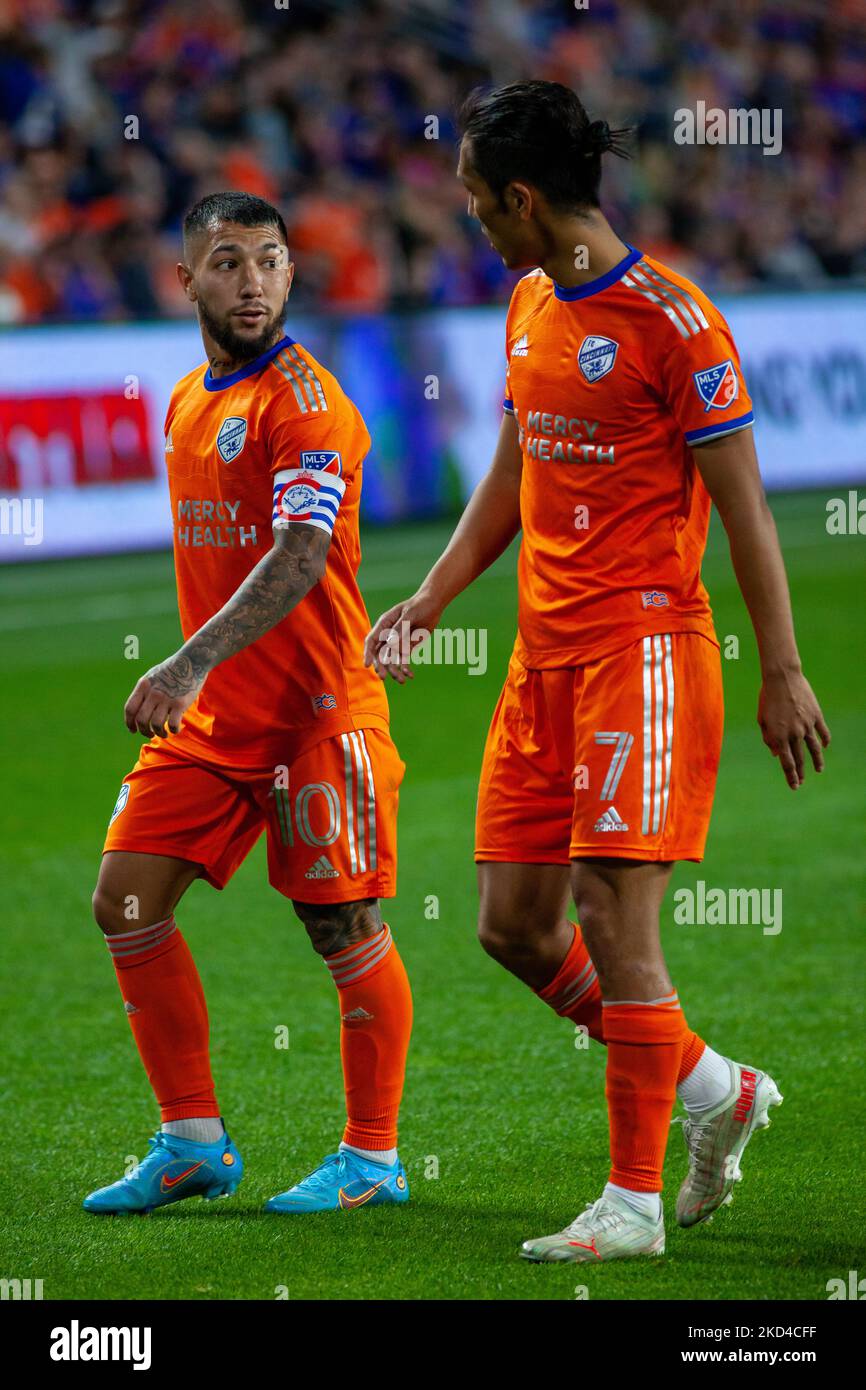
{"x":265,"y":719}
{"x":626,"y":415}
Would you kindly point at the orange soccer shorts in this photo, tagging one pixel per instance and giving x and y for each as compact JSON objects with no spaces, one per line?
{"x":614,"y":759}
{"x":331,"y":829}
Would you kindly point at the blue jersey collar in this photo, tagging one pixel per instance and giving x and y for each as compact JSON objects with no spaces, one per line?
{"x":220,"y":383}
{"x":594,"y":286}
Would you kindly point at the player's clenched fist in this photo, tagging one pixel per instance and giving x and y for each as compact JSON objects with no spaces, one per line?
{"x":389,"y":644}
{"x":161,"y":698}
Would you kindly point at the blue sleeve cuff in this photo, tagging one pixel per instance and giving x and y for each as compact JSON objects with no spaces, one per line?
{"x":709,"y":432}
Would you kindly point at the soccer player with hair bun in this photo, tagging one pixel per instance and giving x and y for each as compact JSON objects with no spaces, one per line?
{"x":626,"y":416}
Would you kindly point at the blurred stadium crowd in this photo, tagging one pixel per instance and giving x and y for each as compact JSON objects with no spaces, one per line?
{"x":323,"y":108}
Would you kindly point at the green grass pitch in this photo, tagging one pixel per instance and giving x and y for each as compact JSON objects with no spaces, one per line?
{"x":499,"y":1103}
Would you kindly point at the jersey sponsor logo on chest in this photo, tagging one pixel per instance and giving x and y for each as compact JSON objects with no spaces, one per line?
{"x":554,"y":438}
{"x":231,"y":437}
{"x":216,"y":512}
{"x":596,"y":357}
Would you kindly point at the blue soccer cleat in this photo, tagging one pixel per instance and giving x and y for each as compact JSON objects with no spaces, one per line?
{"x":343,"y":1181}
{"x":172,"y":1170}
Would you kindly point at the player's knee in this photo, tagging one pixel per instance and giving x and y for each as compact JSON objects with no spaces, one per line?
{"x":501,"y":935}
{"x":108,"y":910}
{"x":333,"y":927}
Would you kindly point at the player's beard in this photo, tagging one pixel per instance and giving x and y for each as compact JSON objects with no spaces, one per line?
{"x":236,"y":348}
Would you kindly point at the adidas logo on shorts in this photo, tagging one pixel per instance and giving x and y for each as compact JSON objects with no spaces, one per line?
{"x":520,"y":348}
{"x":610,"y":821}
{"x":322,"y":868}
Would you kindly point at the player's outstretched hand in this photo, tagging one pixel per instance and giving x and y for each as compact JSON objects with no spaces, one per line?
{"x":789,"y":716}
{"x":389,"y":644}
{"x":161,"y":698}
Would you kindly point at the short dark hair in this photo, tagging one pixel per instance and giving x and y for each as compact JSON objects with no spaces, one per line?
{"x":538,"y":132}
{"x":243,"y":208}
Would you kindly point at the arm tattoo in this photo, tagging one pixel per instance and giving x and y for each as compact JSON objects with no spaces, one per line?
{"x":279,"y":581}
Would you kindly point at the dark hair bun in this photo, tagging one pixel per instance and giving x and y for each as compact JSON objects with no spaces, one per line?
{"x":598,"y":138}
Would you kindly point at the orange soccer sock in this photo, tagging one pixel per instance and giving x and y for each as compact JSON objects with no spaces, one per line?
{"x":166,"y":1008}
{"x":644,"y":1049}
{"x":575,"y":993}
{"x":376,"y":1013}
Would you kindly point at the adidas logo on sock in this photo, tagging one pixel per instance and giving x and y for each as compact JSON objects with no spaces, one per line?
{"x":610,"y":821}
{"x":130,"y":1008}
{"x":322,"y":868}
{"x":354,"y":1014}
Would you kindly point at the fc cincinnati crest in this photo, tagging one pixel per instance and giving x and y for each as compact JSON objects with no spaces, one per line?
{"x":717,"y":386}
{"x":231,"y":438}
{"x":596,"y":357}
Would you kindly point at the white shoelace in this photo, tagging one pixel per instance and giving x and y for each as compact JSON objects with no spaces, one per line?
{"x":599,"y":1216}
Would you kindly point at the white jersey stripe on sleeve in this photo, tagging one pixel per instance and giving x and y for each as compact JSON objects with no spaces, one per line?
{"x":290,"y":378}
{"x":663,"y":288}
{"x":675,"y":319}
{"x":676,"y":291}
{"x":311,"y":381}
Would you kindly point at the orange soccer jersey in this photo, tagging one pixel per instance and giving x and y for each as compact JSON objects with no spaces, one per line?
{"x":607,"y":735}
{"x":290,"y":735}
{"x":610,"y":384}
{"x":274,"y":444}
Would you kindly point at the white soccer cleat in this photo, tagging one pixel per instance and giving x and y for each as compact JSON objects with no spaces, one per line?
{"x":716,"y":1140}
{"x":608,"y":1230}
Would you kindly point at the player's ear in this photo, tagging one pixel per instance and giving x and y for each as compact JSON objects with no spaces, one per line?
{"x":184,"y":275}
{"x":518,"y":198}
